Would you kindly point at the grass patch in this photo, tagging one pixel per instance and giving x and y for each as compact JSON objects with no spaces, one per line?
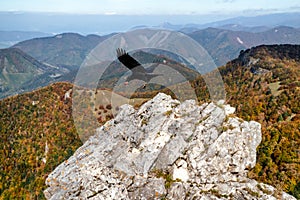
{"x":274,"y":87}
{"x":167,"y":176}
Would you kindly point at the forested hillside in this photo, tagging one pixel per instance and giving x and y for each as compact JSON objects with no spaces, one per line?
{"x":37,"y":133}
{"x":263,"y":84}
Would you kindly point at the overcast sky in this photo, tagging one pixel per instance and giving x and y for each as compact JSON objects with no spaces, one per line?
{"x":247,"y":7}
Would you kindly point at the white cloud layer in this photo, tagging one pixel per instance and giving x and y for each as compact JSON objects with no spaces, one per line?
{"x":148,"y":6}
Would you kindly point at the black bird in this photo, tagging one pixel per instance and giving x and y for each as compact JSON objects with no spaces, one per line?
{"x":138,"y":71}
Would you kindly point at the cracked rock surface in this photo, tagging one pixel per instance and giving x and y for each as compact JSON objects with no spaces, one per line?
{"x":165,"y":150}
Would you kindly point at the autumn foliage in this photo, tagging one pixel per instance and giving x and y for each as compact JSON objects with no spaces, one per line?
{"x":263,"y":84}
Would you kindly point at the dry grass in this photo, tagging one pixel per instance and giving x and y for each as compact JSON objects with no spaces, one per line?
{"x":274,"y":87}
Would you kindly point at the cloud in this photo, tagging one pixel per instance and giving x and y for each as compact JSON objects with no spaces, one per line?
{"x":260,"y":11}
{"x":297,"y":8}
{"x":226,"y":1}
{"x":110,"y":13}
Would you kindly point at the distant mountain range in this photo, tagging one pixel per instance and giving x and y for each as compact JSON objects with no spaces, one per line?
{"x":69,"y":49}
{"x":224,"y":45}
{"x":55,"y":23}
{"x":231,"y":27}
{"x":249,"y":24}
{"x":269,"y":20}
{"x":63,"y":54}
{"x":63,"y":50}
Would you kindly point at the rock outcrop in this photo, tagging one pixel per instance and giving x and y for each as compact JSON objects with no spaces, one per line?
{"x":165,"y":150}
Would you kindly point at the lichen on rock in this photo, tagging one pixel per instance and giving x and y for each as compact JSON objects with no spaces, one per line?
{"x":165,"y":150}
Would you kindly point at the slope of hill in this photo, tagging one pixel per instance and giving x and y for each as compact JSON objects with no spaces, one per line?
{"x":37,"y":133}
{"x":225,"y":45}
{"x":20,"y":72}
{"x":263,"y":83}
{"x":63,"y":50}
{"x":43,"y":61}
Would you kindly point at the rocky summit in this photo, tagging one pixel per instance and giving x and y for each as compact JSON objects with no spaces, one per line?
{"x":165,"y":150}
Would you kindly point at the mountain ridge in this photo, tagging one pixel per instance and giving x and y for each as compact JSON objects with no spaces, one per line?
{"x":222,"y":44}
{"x":64,"y":50}
{"x":225,"y":45}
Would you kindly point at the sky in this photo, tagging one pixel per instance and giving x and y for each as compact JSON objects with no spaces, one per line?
{"x":153,"y":7}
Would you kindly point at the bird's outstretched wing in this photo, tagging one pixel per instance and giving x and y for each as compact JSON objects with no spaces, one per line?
{"x":129,"y":61}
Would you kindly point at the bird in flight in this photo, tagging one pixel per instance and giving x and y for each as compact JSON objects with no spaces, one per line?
{"x":138,"y":71}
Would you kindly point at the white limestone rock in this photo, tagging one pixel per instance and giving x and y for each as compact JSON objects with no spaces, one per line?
{"x":166,"y":149}
{"x":180,"y":171}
